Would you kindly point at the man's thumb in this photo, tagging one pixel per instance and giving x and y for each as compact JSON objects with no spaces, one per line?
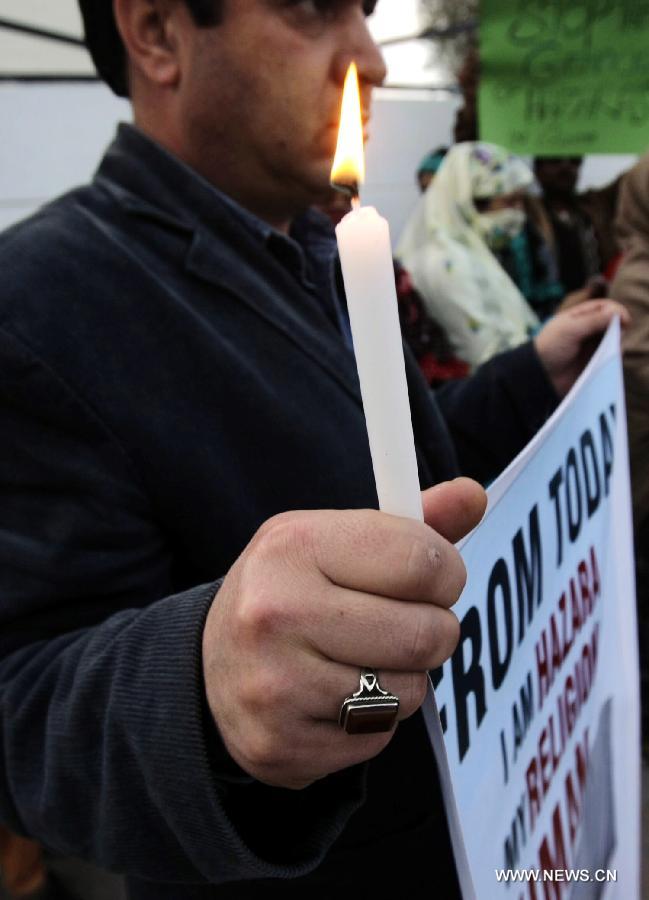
{"x":454,"y":508}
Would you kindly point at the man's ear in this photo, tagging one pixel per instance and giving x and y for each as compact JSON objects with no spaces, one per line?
{"x":148,"y":31}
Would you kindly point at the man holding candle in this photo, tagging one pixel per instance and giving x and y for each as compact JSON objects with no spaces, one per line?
{"x":176,"y":376}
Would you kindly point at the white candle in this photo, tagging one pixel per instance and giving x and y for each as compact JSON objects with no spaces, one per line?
{"x":368,"y":273}
{"x":366,"y":259}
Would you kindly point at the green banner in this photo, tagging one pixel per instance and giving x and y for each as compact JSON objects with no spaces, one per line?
{"x":565,"y":78}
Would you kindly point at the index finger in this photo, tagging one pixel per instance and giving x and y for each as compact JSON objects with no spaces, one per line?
{"x":601,"y":312}
{"x":390,"y":556}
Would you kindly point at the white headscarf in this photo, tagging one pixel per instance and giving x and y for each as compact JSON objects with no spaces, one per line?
{"x":462,"y":284}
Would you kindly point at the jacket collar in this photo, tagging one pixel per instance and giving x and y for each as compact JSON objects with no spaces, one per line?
{"x":145,"y":176}
{"x":149,"y":181}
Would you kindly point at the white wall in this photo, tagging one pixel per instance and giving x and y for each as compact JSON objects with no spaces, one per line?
{"x":53,"y":137}
{"x":403,"y":129}
{"x":600,"y":170}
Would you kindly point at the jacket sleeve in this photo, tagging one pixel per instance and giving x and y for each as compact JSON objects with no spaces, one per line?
{"x":107,"y":750}
{"x":631,"y":287}
{"x":494,"y":413}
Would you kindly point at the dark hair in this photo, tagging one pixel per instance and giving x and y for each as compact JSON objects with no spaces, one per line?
{"x":105,"y":44}
{"x":539,"y":161}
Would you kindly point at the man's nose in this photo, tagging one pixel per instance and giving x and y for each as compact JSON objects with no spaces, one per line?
{"x":371,"y":66}
{"x":362,"y":50}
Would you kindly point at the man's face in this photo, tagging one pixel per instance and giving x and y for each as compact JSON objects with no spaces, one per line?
{"x":259,"y":100}
{"x":558,"y":174}
{"x":424,"y":179}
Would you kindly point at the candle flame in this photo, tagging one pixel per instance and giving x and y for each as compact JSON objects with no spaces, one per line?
{"x":348,"y":170}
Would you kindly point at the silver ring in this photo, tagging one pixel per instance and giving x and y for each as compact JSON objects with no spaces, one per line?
{"x":371,"y":709}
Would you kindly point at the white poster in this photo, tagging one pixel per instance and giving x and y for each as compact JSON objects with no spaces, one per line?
{"x":539,"y":705}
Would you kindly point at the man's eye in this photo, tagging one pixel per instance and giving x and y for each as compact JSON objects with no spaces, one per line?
{"x":321,"y":7}
{"x":329,"y":7}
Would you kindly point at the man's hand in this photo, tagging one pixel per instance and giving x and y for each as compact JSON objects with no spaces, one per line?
{"x":567,"y":342}
{"x":596,"y":288}
{"x":315,"y":596}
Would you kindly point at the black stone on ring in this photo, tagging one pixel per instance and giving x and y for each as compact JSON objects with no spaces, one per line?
{"x":371,"y":709}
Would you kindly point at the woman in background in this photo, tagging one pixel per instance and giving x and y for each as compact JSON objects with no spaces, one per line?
{"x":429,"y":167}
{"x":474,"y":207}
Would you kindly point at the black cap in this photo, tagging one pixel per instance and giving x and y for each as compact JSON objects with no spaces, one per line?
{"x":105,"y":44}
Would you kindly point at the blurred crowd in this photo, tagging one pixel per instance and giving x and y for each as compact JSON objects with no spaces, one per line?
{"x":495,"y":247}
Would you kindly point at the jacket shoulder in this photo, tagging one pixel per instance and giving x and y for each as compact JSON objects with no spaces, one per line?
{"x":57,"y":264}
{"x":60,"y":228}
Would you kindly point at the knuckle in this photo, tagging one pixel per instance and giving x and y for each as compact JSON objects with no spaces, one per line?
{"x":415,"y":693}
{"x":270,"y":535}
{"x":262,"y":750}
{"x":423,"y":563}
{"x":459,"y":577}
{"x":453,"y":633}
{"x":448,"y":636}
{"x":270,"y":526}
{"x":287,"y":535}
{"x":451,"y":579}
{"x":297,"y":784}
{"x":262,"y":690}
{"x":259,"y":612}
{"x":422,"y":640}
